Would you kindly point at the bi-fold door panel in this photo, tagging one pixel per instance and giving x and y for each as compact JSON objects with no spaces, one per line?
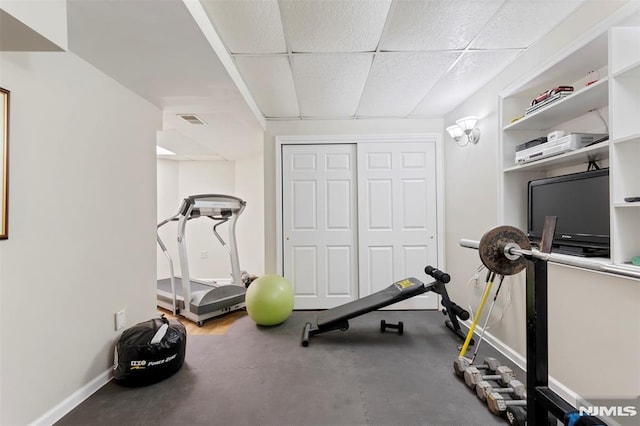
{"x":397,"y":216}
{"x":320,"y":223}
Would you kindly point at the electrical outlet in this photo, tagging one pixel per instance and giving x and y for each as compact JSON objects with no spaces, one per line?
{"x":475,"y":280}
{"x":121,"y":319}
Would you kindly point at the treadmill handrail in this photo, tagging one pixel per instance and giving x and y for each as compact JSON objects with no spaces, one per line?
{"x":172,"y":276}
{"x":169,"y":219}
{"x":216,"y":200}
{"x":211,"y":205}
{"x":214,"y":197}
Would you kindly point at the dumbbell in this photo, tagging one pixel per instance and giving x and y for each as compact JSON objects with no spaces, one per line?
{"x":385,"y":325}
{"x":516,"y":416}
{"x":515,"y":388}
{"x":502,"y":374}
{"x":498,"y":405}
{"x":461,"y":363}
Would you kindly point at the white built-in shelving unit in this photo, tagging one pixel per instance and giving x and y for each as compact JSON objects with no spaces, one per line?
{"x":624,"y":94}
{"x":609,"y":105}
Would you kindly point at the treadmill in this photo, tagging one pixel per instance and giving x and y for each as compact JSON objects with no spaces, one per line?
{"x":200,"y":300}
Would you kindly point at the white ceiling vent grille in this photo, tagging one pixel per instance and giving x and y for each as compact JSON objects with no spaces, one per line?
{"x":192,"y":119}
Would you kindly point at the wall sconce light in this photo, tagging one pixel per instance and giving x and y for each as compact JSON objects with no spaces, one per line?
{"x":466,"y":126}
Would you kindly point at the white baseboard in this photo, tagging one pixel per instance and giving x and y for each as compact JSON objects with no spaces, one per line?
{"x":75,"y":399}
{"x":560,"y":389}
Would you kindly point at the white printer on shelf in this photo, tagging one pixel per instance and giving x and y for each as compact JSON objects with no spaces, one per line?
{"x":554,"y":144}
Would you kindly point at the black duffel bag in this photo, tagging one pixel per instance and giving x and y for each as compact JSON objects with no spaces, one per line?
{"x":150,"y":352}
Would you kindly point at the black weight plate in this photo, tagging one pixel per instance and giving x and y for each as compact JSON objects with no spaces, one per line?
{"x":492,"y":246}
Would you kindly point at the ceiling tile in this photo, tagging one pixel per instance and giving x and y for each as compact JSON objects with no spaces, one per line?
{"x":470,"y":73}
{"x":399,"y":81}
{"x":330,"y":85}
{"x":436,"y":24}
{"x":334,"y":26}
{"x":270,"y":81}
{"x":520,"y":23}
{"x":248,"y":26}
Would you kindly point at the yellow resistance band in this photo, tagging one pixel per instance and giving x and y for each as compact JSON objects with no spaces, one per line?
{"x":485,"y":296}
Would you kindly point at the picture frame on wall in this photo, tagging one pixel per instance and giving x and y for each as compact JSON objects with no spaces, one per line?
{"x":4,"y":163}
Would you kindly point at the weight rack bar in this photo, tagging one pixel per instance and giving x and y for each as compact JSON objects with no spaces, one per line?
{"x":560,"y":259}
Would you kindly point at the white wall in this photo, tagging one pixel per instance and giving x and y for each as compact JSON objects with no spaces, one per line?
{"x":177,"y":181}
{"x":593,"y":317}
{"x":168,"y":204}
{"x":250,"y":228}
{"x":206,"y":177}
{"x":82,"y":212}
{"x":322,"y":127}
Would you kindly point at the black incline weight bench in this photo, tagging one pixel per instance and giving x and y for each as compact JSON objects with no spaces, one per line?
{"x":338,"y":317}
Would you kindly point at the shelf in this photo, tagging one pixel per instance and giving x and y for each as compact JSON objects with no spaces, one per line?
{"x":627,"y":139}
{"x":572,"y":158}
{"x":626,"y":205}
{"x":591,"y":56}
{"x":632,"y":70}
{"x":579,"y":103}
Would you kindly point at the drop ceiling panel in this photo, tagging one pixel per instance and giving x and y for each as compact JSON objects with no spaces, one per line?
{"x":270,"y":81}
{"x":436,"y":24}
{"x":470,"y":73}
{"x":330,"y":85}
{"x":399,"y":81}
{"x":334,"y":26}
{"x":519,"y":23}
{"x":247,"y":26}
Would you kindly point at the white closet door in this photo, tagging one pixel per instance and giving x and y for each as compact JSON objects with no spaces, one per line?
{"x":320,"y":223}
{"x":397,"y":216}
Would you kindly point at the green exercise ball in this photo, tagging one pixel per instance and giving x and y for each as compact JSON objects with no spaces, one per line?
{"x":269,"y":300}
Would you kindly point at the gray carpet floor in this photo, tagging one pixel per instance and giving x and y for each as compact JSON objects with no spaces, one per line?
{"x":263,"y":376}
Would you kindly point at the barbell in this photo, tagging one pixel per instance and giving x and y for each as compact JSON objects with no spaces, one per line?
{"x":503,"y":250}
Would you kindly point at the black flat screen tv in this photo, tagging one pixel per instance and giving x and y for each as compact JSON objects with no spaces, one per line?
{"x":581,"y":203}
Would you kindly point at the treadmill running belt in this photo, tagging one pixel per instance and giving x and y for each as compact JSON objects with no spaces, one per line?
{"x":165,"y":285}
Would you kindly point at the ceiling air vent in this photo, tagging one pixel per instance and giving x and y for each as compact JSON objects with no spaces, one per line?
{"x":192,"y":119}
